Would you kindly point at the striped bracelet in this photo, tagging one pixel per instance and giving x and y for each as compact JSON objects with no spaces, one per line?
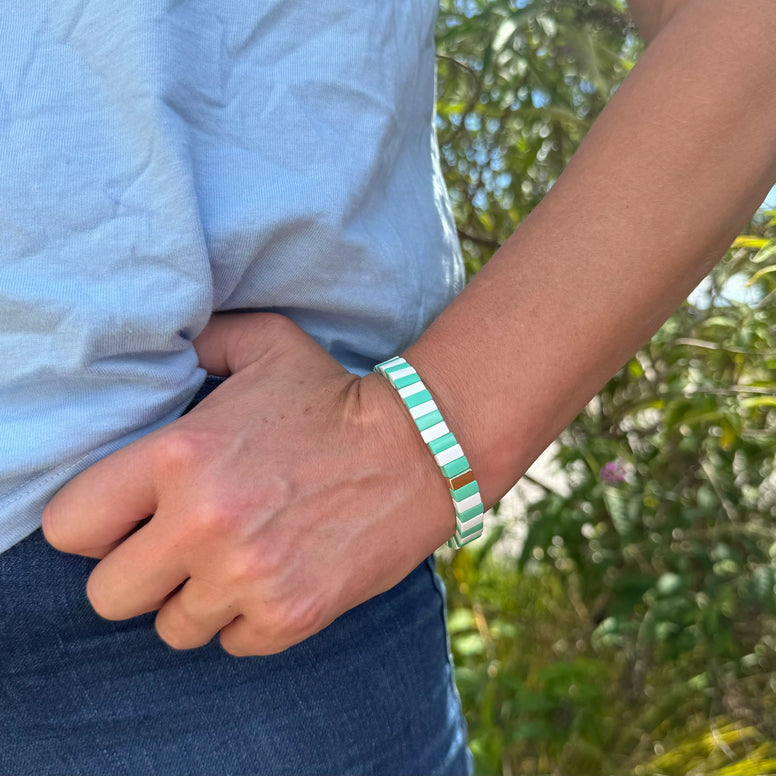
{"x":443,"y":446}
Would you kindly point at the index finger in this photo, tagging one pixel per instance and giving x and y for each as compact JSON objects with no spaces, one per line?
{"x":102,"y":505}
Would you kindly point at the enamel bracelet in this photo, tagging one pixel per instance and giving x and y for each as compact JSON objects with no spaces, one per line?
{"x":443,"y":446}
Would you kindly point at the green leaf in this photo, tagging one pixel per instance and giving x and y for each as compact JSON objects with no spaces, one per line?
{"x":757,"y":401}
{"x":749,"y":241}
{"x":767,"y":250}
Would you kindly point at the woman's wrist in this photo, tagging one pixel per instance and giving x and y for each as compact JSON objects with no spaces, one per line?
{"x":442,"y":445}
{"x":407,"y":460}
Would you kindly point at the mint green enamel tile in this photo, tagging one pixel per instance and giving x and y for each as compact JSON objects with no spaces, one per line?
{"x":467,"y":490}
{"x":438,"y":445}
{"x":428,"y":420}
{"x":458,"y":466}
{"x":417,"y":398}
{"x":404,"y":381}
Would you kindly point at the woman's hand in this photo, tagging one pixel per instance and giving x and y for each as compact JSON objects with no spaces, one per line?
{"x":292,"y":493}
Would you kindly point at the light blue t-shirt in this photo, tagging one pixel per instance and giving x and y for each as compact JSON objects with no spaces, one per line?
{"x":160,"y":160}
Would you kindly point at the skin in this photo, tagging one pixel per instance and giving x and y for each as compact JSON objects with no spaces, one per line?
{"x":296,"y":490}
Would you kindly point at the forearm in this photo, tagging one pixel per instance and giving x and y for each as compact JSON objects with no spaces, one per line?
{"x":666,"y":178}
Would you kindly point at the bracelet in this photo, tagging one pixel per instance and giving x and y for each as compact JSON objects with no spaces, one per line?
{"x":443,"y":446}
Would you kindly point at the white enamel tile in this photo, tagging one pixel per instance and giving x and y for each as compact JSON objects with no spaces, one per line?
{"x":422,"y":409}
{"x":409,"y":390}
{"x":451,"y":454}
{"x":469,"y":502}
{"x":434,"y":432}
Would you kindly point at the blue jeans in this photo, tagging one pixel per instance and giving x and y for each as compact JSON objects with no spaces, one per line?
{"x":371,"y":694}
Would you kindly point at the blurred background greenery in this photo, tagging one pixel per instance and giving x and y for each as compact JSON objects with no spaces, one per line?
{"x":632,"y":629}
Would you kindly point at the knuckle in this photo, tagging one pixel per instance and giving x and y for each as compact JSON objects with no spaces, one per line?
{"x":275,"y":627}
{"x":294,"y":620}
{"x":275,"y":323}
{"x":244,"y":571}
{"x":263,"y":564}
{"x":276,"y":327}
{"x":257,"y":567}
{"x":213,"y":517}
{"x":177,"y":446}
{"x":274,"y":335}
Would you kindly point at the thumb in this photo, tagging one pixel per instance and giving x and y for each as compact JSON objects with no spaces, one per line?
{"x":232,"y":341}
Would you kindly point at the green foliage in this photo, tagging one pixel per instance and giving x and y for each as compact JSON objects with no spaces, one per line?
{"x":519,"y":85}
{"x":636,"y":631}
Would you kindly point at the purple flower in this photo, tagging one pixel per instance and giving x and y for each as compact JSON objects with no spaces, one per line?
{"x":613,"y":472}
